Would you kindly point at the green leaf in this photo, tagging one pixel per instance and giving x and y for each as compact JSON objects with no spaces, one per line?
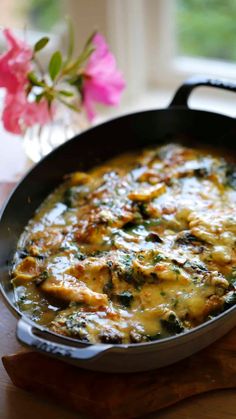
{"x":86,"y":53}
{"x":81,"y":59}
{"x":66,"y":93}
{"x":55,"y":64}
{"x":70,"y":105}
{"x":34,"y":80}
{"x":76,"y":81}
{"x":41,"y":44}
{"x":39,"y":97}
{"x":90,"y":39}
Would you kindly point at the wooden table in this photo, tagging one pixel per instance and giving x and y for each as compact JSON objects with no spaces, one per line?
{"x":18,"y":404}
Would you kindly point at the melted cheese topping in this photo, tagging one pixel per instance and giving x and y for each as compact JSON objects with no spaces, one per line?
{"x":138,"y":249}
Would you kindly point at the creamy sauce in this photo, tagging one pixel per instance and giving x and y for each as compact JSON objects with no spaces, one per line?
{"x":137,"y":249}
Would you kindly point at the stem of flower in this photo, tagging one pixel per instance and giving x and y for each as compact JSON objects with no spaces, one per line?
{"x":38,"y":64}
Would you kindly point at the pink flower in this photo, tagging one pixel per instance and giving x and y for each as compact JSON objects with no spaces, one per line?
{"x":103,"y":82}
{"x":15,"y":63}
{"x":19,"y":113}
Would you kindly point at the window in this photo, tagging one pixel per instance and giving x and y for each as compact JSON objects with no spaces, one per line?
{"x":192,"y":37}
{"x":158,"y":43}
{"x":38,"y":15}
{"x":32,"y":19}
{"x":206,"y":28}
{"x":148,"y":39}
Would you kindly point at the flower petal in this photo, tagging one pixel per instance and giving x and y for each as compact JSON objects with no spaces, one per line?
{"x":15,"y":63}
{"x":103,"y":82}
{"x":12,"y":113}
{"x":19,"y":113}
{"x":36,"y":113}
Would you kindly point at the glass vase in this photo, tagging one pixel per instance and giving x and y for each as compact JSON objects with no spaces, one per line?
{"x":39,"y":140}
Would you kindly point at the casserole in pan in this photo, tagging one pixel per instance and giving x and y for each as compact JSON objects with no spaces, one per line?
{"x":150,"y":344}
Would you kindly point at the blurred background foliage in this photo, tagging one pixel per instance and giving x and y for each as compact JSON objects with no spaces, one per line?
{"x":203,"y":28}
{"x":206,"y":28}
{"x":43,"y":14}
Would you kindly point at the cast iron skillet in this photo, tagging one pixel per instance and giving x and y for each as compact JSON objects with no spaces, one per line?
{"x":81,"y":153}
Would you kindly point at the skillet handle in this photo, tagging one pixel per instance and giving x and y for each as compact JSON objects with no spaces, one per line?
{"x":25,"y":333}
{"x":182,"y":94}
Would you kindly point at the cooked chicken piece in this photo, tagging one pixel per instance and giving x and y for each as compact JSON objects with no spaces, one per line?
{"x":79,"y":178}
{"x":214,"y":227}
{"x":147,"y":193}
{"x":92,"y":271}
{"x":41,"y":241}
{"x":26,"y":270}
{"x":93,"y":225}
{"x":70,"y":289}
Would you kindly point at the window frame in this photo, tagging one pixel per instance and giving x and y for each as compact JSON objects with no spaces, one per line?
{"x":173,"y":68}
